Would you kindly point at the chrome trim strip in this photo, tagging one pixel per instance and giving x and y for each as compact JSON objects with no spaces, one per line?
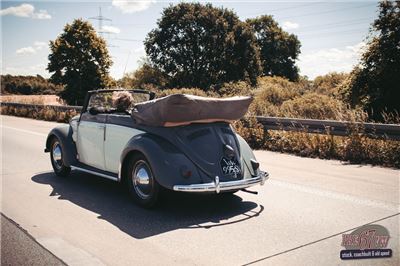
{"x":217,"y":186}
{"x":93,"y":173}
{"x":119,"y":172}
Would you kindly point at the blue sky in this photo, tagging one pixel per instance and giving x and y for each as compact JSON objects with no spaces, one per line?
{"x":332,"y":33}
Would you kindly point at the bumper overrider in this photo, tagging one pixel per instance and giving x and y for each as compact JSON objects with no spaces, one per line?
{"x":218,"y":187}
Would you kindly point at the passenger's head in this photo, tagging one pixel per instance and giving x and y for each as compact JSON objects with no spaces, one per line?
{"x":122,"y":100}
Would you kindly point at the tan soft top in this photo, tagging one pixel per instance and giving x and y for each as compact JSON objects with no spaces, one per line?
{"x":183,"y":109}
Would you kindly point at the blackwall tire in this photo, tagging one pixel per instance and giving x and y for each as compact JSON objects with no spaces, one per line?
{"x":56,"y":158}
{"x":142,"y":184}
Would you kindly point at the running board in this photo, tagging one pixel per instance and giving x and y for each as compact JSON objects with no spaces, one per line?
{"x":98,"y":173}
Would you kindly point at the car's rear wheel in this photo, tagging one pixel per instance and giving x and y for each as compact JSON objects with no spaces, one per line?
{"x":56,"y":157}
{"x":142,"y":185}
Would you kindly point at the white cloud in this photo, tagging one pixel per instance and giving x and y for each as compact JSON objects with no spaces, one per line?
{"x":25,"y":11}
{"x":287,"y":25}
{"x":110,"y":29}
{"x":42,"y":14}
{"x":131,"y":6}
{"x":328,"y":60}
{"x":26,"y":50}
{"x":37,"y":46}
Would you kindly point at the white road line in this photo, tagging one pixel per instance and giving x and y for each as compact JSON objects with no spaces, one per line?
{"x":335,"y":195}
{"x":69,"y":253}
{"x":25,"y":131}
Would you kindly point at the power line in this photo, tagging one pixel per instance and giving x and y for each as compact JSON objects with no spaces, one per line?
{"x":340,"y":33}
{"x":100,"y":18}
{"x":326,"y":12}
{"x":345,"y":22}
{"x":280,"y":9}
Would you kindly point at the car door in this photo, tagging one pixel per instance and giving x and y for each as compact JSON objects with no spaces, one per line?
{"x":91,"y":135}
{"x":119,"y":130}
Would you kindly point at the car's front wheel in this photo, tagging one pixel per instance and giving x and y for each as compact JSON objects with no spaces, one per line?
{"x":142,"y":185}
{"x":56,"y":157}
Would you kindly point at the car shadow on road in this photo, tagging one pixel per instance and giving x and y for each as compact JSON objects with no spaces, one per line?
{"x":177,"y":210}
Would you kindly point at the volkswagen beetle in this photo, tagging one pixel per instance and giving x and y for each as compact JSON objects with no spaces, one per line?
{"x":107,"y":142}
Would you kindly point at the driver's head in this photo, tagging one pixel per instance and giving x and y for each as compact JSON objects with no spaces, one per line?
{"x":122,"y":100}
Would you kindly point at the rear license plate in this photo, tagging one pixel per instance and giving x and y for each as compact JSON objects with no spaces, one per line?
{"x":230,"y":167}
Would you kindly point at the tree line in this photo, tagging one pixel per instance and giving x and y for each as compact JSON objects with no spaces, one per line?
{"x":28,"y":85}
{"x":201,"y":46}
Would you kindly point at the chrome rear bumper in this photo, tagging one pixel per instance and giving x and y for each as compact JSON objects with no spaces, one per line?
{"x":217,"y":186}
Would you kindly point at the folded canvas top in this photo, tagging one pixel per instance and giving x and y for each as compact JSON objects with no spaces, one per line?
{"x":183,"y":109}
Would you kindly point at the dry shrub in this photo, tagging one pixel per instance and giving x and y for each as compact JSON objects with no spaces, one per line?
{"x":239,"y":88}
{"x":313,"y":106}
{"x":192,"y":91}
{"x":49,"y":114}
{"x":32,"y":99}
{"x":41,"y":113}
{"x":329,"y":84}
{"x":252,"y":131}
{"x":271,"y":93}
{"x":355,"y":148}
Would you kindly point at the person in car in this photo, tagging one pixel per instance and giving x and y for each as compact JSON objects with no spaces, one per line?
{"x":122,"y":101}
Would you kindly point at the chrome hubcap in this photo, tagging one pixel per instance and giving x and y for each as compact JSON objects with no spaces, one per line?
{"x":57,"y":155}
{"x":142,"y":179}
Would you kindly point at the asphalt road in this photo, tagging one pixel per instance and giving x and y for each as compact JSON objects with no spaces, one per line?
{"x":297,"y":218}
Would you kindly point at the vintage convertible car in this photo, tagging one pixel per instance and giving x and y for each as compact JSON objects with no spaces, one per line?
{"x":197,"y":157}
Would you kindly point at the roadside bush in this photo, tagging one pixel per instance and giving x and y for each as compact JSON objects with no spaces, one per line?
{"x":27,"y":85}
{"x":329,"y":84}
{"x":269,"y":98}
{"x":252,"y":131}
{"x":41,"y":113}
{"x":192,"y":91}
{"x":239,"y":88}
{"x":313,"y":106}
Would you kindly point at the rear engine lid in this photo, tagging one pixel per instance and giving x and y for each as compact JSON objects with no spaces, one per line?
{"x":213,"y":147}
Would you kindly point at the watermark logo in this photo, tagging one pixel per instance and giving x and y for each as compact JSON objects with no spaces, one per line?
{"x":366,"y":242}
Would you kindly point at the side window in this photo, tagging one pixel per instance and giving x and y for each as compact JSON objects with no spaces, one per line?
{"x":101,"y":101}
{"x":115,"y":101}
{"x":140,"y":97}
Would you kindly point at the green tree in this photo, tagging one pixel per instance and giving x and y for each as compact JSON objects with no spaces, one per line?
{"x":278,"y":49}
{"x":145,"y":77}
{"x":79,"y":60}
{"x":198,"y":45}
{"x":375,"y":83}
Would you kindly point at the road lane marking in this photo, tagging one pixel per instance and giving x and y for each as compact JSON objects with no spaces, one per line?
{"x":70,"y":254}
{"x":25,"y":131}
{"x":335,"y":195}
{"x":320,"y":240}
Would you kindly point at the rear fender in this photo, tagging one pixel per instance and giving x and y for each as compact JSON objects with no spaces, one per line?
{"x":64,"y":134}
{"x":246,"y":154}
{"x":166,"y":161}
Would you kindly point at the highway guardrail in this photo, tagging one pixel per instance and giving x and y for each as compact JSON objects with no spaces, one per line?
{"x":332,"y":127}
